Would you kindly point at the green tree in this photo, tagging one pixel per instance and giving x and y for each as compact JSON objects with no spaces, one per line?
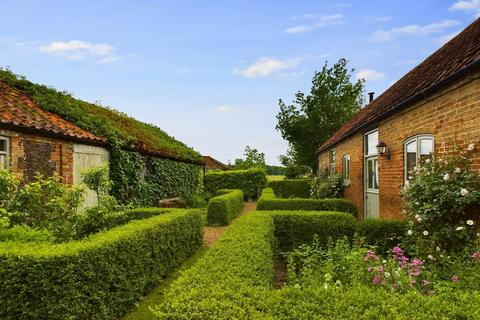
{"x":253,"y":159}
{"x":314,"y":117}
{"x":293,"y":170}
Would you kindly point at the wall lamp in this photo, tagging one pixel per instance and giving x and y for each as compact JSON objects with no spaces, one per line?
{"x":382,"y":150}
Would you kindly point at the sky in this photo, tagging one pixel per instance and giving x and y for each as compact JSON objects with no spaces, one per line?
{"x":210,"y":73}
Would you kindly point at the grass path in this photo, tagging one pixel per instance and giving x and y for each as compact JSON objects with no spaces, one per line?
{"x":210,"y":236}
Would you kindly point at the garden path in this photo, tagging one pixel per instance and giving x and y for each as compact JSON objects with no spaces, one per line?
{"x":211,"y":234}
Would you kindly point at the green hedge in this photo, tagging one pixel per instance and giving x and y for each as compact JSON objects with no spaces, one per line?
{"x":291,"y":188}
{"x":233,"y":280}
{"x":268,"y":201}
{"x":224,"y":207}
{"x":97,"y":278}
{"x":384,"y":234}
{"x":249,"y":181}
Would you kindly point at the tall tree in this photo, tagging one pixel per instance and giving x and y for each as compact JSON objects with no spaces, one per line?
{"x":312,"y":118}
{"x":253,"y":159}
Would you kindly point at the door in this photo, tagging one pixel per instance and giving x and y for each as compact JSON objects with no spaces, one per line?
{"x":371,"y":187}
{"x":371,"y":195}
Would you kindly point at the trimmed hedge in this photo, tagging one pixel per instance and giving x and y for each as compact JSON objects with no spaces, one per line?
{"x":224,"y":207}
{"x":384,"y":234}
{"x":97,"y":278}
{"x":249,"y":181}
{"x":268,"y":201}
{"x":233,"y":280}
{"x":291,"y":188}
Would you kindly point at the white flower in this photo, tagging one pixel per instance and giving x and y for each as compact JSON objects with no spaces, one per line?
{"x":470,"y":222}
{"x":463,"y":192}
{"x":427,"y":161}
{"x":460,"y":228}
{"x":384,"y":261}
{"x":430,"y":257}
{"x":471,"y":146}
{"x":417,"y":203}
{"x":438,"y":248}
{"x":458,"y":170}
{"x":387,"y":275}
{"x":417,"y":215}
{"x":425,"y":233}
{"x":410,"y":232}
{"x":446,"y":176}
{"x":407,"y":184}
{"x":419,"y":220}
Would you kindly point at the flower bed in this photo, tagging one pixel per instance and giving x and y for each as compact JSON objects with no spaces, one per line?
{"x":268,"y":201}
{"x":234,"y":281}
{"x":99,"y":277}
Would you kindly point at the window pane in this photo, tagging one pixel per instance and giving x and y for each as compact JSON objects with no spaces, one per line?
{"x":375,"y":172}
{"x":371,"y":143}
{"x":411,"y":158}
{"x":3,"y":161}
{"x":3,"y":145}
{"x":426,"y":148}
{"x":372,"y":174}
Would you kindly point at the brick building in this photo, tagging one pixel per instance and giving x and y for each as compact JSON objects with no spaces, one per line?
{"x":429,"y":109}
{"x":213,"y":164}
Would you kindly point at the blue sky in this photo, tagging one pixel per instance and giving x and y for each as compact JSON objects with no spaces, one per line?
{"x":210,"y":73}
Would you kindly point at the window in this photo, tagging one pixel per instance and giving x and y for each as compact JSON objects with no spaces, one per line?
{"x":4,"y":152}
{"x":346,"y":169}
{"x":415,"y":149}
{"x":324,"y":169}
{"x":371,"y":141}
{"x":332,"y":158}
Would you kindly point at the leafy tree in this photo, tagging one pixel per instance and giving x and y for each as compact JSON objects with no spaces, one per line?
{"x":314,"y":117}
{"x":253,"y":159}
{"x":293,"y":170}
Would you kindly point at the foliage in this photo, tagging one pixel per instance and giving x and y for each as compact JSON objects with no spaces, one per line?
{"x":253,"y":159}
{"x":313,"y":118}
{"x":233,"y":280}
{"x":327,"y":187}
{"x":224,"y":207}
{"x":293,"y":170}
{"x":97,"y":278}
{"x":268,"y":201}
{"x":249,"y":181}
{"x":275,"y":170}
{"x":24,"y":233}
{"x":382,"y":234}
{"x":97,"y":179}
{"x":291,"y":188}
{"x":442,"y":201}
{"x":8,"y":188}
{"x":102,"y":121}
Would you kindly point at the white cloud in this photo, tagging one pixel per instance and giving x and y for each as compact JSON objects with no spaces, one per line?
{"x":319,"y":21}
{"x":444,"y":39}
{"x":80,"y":50}
{"x":225,"y":109}
{"x":467,"y":5}
{"x":370,"y":75}
{"x":413,"y":29}
{"x":266,"y":66}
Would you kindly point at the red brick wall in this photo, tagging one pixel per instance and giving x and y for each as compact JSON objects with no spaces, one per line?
{"x":32,"y":154}
{"x":451,"y":115}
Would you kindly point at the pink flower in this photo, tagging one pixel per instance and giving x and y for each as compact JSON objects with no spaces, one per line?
{"x":417,"y":262}
{"x":370,"y":269}
{"x":455,"y":279}
{"x":425,"y":283}
{"x":377,"y":280}
{"x":371,"y":256}
{"x":397,"y":250}
{"x":476,"y":256}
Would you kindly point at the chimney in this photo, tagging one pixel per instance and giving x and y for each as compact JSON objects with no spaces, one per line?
{"x":370,"y":96}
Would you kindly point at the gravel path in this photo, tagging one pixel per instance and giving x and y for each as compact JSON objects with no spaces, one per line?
{"x":211,"y":234}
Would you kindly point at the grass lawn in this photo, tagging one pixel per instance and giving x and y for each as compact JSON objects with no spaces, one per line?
{"x":155,"y":297}
{"x":275,"y":178}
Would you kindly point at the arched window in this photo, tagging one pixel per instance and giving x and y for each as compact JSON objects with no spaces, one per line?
{"x":420,"y":147}
{"x":332,"y":158}
{"x":346,"y":169}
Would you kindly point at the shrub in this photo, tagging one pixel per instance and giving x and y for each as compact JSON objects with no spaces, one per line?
{"x":268,"y":201}
{"x":23,"y":233}
{"x":383,"y":234}
{"x":327,"y":187}
{"x":291,"y":188}
{"x":442,"y":201}
{"x":249,"y":181}
{"x":224,"y":207}
{"x":99,"y":277}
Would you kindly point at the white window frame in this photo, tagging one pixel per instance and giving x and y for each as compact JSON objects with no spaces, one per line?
{"x":332,"y":161}
{"x":417,"y":139}
{"x":6,"y":153}
{"x":346,"y":169}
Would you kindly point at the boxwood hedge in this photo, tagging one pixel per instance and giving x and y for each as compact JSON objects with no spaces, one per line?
{"x":99,"y":277}
{"x":233,"y":280}
{"x":251,"y":181}
{"x":224,"y":207}
{"x":268,"y":201}
{"x":291,"y":188}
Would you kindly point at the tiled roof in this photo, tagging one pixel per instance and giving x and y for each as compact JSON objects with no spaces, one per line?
{"x":441,"y":66}
{"x":17,"y":109}
{"x":212,"y":163}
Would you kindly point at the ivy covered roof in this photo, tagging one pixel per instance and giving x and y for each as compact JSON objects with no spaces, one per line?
{"x":97,"y":122}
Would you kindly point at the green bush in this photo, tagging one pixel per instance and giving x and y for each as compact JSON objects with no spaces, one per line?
{"x":268,"y":201}
{"x":233,"y":280}
{"x":97,"y":278}
{"x":249,"y":181}
{"x":291,"y":188}
{"x":23,"y":233}
{"x":327,"y":187}
{"x":384,"y":234}
{"x":224,"y":207}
